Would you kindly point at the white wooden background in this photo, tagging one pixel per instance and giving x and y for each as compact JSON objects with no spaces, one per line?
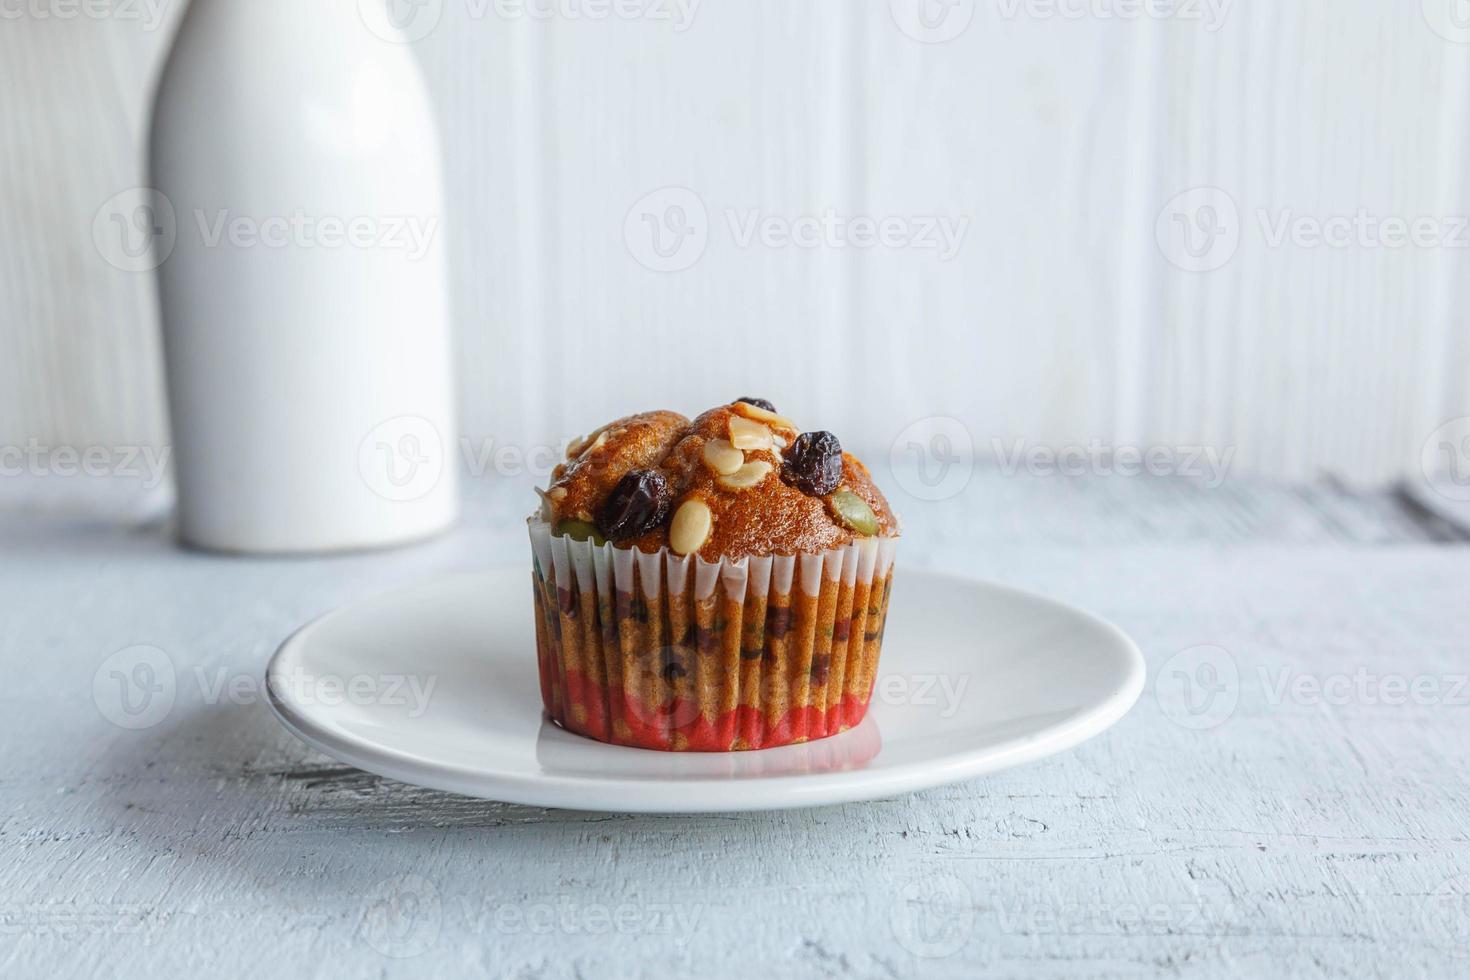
{"x":1060,"y":139}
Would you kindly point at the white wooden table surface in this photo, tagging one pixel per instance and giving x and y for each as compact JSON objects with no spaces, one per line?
{"x":1309,"y":818}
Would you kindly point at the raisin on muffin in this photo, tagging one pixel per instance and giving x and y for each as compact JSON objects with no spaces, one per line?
{"x":714,"y":584}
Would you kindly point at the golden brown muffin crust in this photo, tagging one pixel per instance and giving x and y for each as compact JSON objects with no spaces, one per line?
{"x":773,"y":517}
{"x":605,"y":456}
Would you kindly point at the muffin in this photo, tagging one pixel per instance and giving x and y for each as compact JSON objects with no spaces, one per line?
{"x":710,"y":585}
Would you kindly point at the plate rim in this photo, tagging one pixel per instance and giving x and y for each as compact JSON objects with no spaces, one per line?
{"x":703,"y":795}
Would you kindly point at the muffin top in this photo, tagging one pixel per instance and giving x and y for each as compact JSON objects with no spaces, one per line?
{"x":738,"y":480}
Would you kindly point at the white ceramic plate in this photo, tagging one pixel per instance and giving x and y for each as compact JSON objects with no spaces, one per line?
{"x":973,"y":678}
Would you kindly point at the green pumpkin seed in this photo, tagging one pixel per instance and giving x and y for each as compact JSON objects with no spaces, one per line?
{"x":854,"y":511}
{"x":580,"y":531}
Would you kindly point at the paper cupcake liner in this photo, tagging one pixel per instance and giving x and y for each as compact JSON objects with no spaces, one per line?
{"x":558,"y":755}
{"x":680,"y":654}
